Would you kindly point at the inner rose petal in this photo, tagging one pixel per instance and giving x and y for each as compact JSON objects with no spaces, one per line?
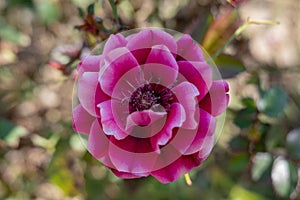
{"x":186,"y":94}
{"x":117,"y":63}
{"x":176,"y":118}
{"x":128,"y":83}
{"x":146,"y":123}
{"x":113,"y":118}
{"x":160,"y":66}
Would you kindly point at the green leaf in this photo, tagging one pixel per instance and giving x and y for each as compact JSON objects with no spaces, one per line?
{"x":5,"y":128}
{"x":114,"y":9}
{"x":293,"y":143}
{"x":248,"y":102}
{"x":91,"y":9}
{"x":11,"y":133}
{"x":261,"y":162}
{"x":245,"y":117}
{"x":239,"y":193}
{"x":238,"y":163}
{"x":81,"y":12}
{"x":238,"y":144}
{"x":27,"y":3}
{"x":273,"y":102}
{"x":281,"y":177}
{"x":229,"y":66}
{"x":275,"y":137}
{"x":59,"y":172}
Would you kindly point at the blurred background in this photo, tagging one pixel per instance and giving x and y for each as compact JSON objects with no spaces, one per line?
{"x":257,"y":156}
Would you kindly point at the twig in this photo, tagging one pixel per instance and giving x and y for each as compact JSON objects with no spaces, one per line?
{"x":239,"y":31}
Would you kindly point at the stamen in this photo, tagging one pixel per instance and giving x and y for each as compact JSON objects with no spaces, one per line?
{"x":147,"y":96}
{"x":131,"y":85}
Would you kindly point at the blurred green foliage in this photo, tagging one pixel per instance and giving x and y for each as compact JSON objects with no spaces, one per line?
{"x":256,"y":158}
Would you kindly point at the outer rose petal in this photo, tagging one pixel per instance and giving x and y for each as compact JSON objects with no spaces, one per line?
{"x":87,"y":87}
{"x":132,"y":155}
{"x":97,"y":141}
{"x":216,"y":101}
{"x":191,"y":141}
{"x":82,"y":120}
{"x":140,"y":44}
{"x":198,"y":73}
{"x":114,"y":42}
{"x":107,"y":162}
{"x":174,"y":170}
{"x":117,"y":63}
{"x":188,"y":49}
{"x":148,"y":38}
{"x":161,"y":66}
{"x":112,"y":122}
{"x":186,"y":92}
{"x":126,"y":175}
{"x":207,"y":148}
{"x":91,"y":63}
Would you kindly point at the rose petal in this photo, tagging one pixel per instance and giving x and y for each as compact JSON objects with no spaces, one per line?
{"x":206,"y":148}
{"x":132,"y":155}
{"x":188,"y":49}
{"x":90,"y":63}
{"x":198,"y":73}
{"x":175,"y":169}
{"x":148,"y":38}
{"x":82,"y":120}
{"x":185,"y":93}
{"x":114,"y":42}
{"x":126,"y":175}
{"x":191,"y":141}
{"x":146,"y":123}
{"x":87,"y":89}
{"x":97,"y":141}
{"x":113,"y":118}
{"x":216,"y":101}
{"x":129,"y":82}
{"x":117,"y":63}
{"x":176,"y":118}
{"x":161,"y":66}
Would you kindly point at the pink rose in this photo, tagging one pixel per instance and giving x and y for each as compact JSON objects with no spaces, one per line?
{"x":148,"y":105}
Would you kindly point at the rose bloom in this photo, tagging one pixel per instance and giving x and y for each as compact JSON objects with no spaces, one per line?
{"x":148,"y":105}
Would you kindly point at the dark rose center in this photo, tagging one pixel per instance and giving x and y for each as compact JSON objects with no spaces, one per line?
{"x":151,"y":95}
